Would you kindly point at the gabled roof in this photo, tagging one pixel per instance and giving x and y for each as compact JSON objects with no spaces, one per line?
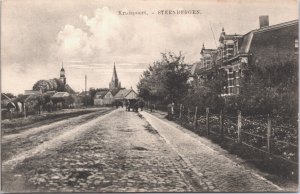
{"x":5,"y":97}
{"x":115,"y":91}
{"x":123,"y":93}
{"x":69,"y":89}
{"x":101,"y":93}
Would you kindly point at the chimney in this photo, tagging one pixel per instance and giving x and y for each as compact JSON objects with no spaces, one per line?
{"x":263,"y":21}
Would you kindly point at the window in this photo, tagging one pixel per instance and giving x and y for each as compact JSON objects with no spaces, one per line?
{"x":230,"y":90}
{"x":236,"y":47}
{"x":238,"y":90}
{"x":296,"y":46}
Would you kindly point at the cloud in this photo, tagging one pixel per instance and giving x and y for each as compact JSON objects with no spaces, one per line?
{"x":89,"y":38}
{"x":73,"y":42}
{"x":102,"y":35}
{"x":108,"y":37}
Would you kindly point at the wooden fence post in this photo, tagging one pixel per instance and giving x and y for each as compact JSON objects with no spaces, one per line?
{"x":207,"y":120}
{"x":268,"y":133}
{"x":221,"y":124}
{"x":239,"y":126}
{"x":24,"y":109}
{"x":180,"y":111}
{"x":195,"y":118}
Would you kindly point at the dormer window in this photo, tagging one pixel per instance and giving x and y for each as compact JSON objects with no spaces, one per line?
{"x":230,"y":48}
{"x":236,"y":47}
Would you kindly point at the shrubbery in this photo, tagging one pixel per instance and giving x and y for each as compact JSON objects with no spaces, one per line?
{"x":270,"y":88}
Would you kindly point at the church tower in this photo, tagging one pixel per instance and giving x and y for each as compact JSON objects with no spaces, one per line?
{"x":114,"y":83}
{"x":62,"y":76}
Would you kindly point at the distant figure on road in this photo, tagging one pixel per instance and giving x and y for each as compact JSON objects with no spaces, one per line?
{"x":151,"y":107}
{"x":141,"y":104}
{"x":126,"y":104}
{"x":171,"y":110}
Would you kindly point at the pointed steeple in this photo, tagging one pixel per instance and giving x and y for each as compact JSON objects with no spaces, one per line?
{"x":62,"y":66}
{"x":115,"y":76}
{"x":114,"y":84}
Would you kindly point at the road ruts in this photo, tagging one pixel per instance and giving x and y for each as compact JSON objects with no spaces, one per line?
{"x":121,"y":153}
{"x":15,"y":144}
{"x":211,"y":166}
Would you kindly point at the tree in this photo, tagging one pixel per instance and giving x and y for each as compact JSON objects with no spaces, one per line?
{"x":165,"y":80}
{"x":10,"y":95}
{"x":205,"y":92}
{"x":271,"y":87}
{"x":49,"y":85}
{"x":92,"y":92}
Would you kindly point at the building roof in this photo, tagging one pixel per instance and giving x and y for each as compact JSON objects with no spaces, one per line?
{"x":51,"y":93}
{"x":115,"y":91}
{"x":60,"y":94}
{"x":83,"y":93}
{"x":101,"y":93}
{"x":195,"y":67}
{"x":123,"y":93}
{"x":29,"y":92}
{"x":69,"y":89}
{"x":5,"y":97}
{"x":247,"y":38}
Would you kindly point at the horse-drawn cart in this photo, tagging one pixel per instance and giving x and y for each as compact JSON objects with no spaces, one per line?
{"x":132,"y":104}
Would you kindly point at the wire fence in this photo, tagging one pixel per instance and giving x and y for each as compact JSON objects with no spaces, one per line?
{"x":264,"y":133}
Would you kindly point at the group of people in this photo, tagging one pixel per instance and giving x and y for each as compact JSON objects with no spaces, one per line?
{"x":134,"y":104}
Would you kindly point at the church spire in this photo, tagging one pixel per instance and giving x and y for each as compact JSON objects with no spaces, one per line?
{"x":115,"y":76}
{"x":114,"y":84}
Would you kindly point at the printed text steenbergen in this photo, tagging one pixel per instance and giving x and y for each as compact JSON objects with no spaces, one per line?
{"x":161,"y":12}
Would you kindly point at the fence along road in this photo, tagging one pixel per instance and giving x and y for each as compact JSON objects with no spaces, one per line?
{"x":211,"y":166}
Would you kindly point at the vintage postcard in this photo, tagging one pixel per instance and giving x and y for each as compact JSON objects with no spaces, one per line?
{"x":149,"y":96}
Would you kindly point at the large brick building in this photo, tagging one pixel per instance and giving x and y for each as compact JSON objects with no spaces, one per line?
{"x":258,"y":47}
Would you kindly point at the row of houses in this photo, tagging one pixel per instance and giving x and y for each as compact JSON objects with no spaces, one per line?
{"x":236,"y":52}
{"x":56,"y":94}
{"x":106,"y":97}
{"x":45,"y":95}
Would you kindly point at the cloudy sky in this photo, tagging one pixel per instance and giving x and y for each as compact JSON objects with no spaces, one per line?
{"x":89,"y":36}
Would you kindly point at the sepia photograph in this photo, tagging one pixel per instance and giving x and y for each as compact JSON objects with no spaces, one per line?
{"x":108,"y":96}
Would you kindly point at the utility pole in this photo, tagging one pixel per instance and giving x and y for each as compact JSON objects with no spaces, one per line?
{"x":85,"y":92}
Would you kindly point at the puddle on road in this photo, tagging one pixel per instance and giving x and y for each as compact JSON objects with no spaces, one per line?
{"x":139,"y":148}
{"x":127,"y":130}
